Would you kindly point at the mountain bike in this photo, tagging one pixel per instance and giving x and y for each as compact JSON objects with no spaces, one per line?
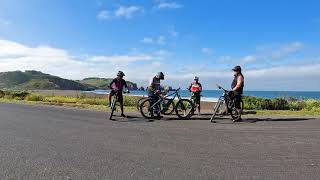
{"x":151,"y":108}
{"x":167,"y":105}
{"x":227,"y":99}
{"x":193,"y":99}
{"x":114,"y":103}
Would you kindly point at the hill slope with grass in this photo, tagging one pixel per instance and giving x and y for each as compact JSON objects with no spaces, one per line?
{"x":32,"y":80}
{"x":103,"y":83}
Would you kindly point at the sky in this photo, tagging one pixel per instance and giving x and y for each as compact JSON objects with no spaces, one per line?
{"x":277,"y":42}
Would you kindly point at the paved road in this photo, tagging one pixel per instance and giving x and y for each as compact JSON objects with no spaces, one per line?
{"x":39,"y":142}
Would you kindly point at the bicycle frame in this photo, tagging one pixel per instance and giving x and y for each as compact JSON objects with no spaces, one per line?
{"x":161,"y":99}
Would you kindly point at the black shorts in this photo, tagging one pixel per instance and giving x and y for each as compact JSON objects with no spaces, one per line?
{"x":120,"y":95}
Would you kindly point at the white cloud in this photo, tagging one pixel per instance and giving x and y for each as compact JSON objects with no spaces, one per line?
{"x":169,"y":5}
{"x":121,"y":58}
{"x":104,"y":14}
{"x":147,"y":40}
{"x":121,"y":12}
{"x":141,"y":66}
{"x":247,"y":59}
{"x":266,"y":54}
{"x":160,"y":40}
{"x":286,"y":50}
{"x":207,"y":51}
{"x":127,"y":12}
{"x":17,"y":56}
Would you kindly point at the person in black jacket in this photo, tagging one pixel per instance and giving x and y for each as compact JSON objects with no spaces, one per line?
{"x":117,"y":85}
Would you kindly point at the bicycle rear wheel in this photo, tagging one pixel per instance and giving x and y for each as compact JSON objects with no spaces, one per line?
{"x":184,"y":109}
{"x":146,"y":109}
{"x":139,"y":103}
{"x":234,"y":112}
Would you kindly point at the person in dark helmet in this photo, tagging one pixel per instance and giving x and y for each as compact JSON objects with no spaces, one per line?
{"x":155,"y":85}
{"x":237,"y":88}
{"x":117,"y":85}
{"x":154,"y":88}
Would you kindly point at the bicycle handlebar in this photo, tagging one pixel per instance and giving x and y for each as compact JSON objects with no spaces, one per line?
{"x":219,"y":87}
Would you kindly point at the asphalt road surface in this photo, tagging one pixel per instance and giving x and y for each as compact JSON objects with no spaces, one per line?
{"x":41,"y":142}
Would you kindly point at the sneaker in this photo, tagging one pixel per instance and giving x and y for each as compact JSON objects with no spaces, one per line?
{"x":237,"y":120}
{"x":122,"y":115}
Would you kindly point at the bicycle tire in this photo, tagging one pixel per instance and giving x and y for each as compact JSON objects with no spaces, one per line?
{"x":146,"y":105}
{"x":169,"y":111}
{"x":113,"y":107}
{"x":139,"y":102}
{"x":187,"y":115}
{"x":233,"y":114}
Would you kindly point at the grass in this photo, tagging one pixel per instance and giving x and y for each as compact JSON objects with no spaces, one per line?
{"x":260,"y":106}
{"x":286,"y":113}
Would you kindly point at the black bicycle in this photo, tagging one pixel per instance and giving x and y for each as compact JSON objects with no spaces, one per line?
{"x":230,"y":105}
{"x":150,"y":108}
{"x":193,"y":99}
{"x":114,"y":103}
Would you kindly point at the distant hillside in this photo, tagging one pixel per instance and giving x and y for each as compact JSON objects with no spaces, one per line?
{"x":103,"y":83}
{"x":32,"y":80}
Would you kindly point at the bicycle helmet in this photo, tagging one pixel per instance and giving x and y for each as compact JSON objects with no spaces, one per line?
{"x":120,"y":73}
{"x":160,"y":75}
{"x":237,"y":68}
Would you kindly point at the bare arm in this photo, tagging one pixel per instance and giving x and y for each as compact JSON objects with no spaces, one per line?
{"x":239,"y":83}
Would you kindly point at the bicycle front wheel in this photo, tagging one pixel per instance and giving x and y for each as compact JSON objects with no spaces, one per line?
{"x":113,"y":107}
{"x":184,"y":109}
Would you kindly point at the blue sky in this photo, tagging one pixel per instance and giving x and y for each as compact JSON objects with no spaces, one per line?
{"x":276,"y":42}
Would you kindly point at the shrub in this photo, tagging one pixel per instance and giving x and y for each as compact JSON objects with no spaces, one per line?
{"x":18,"y":95}
{"x":34,"y":97}
{"x":2,"y":94}
{"x":312,"y":104}
{"x":280,"y":104}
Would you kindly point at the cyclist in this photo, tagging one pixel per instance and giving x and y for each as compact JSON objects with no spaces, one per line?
{"x":237,"y":88}
{"x":196,"y":88}
{"x":154,"y":88}
{"x":117,"y":85}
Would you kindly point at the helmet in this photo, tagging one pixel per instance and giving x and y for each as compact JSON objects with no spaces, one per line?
{"x":120,"y":73}
{"x":196,"y":78}
{"x":160,"y":75}
{"x":237,"y":68}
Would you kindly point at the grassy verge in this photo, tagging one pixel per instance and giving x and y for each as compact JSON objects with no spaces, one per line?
{"x":77,"y":102}
{"x":285,"y":113}
{"x":257,"y":106}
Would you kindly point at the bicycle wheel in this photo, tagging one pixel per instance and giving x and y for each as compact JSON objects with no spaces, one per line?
{"x":215,"y":110}
{"x":167,"y":107}
{"x":139,"y":103}
{"x":184,"y":109}
{"x":234,"y":112}
{"x":113,"y":107}
{"x":146,"y":109}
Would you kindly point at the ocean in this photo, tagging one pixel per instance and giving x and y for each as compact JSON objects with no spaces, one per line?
{"x":213,"y":95}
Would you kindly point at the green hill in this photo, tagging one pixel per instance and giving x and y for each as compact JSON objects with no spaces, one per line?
{"x":31,"y":80}
{"x":103,"y":83}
